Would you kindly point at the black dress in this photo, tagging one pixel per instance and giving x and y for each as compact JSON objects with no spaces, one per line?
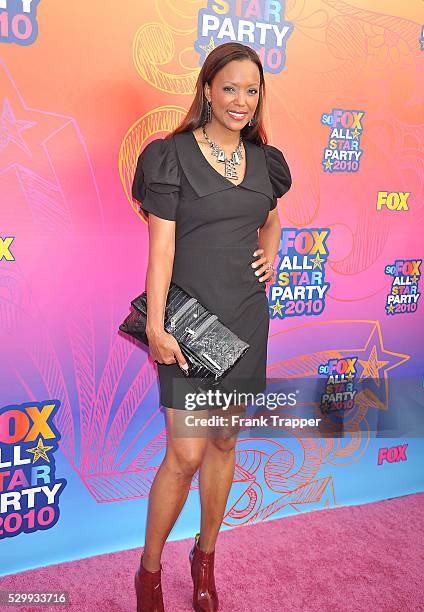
{"x":216,"y":236}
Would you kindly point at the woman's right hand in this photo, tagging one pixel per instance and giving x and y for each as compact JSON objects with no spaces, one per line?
{"x":164,"y":348}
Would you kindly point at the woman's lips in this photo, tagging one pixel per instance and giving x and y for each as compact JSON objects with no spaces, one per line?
{"x":237,"y":117}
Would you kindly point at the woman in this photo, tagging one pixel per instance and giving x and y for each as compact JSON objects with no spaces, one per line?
{"x":207,"y":189}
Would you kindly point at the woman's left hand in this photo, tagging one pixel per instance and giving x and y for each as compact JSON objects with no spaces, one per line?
{"x":260,"y":265}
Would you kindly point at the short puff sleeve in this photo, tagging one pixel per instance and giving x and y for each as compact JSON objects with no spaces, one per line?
{"x":156,"y":182}
{"x":279,"y":172}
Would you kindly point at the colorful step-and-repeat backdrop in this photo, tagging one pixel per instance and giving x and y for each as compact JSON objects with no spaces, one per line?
{"x":83,"y":88}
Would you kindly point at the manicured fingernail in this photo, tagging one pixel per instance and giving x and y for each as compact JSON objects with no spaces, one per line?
{"x":254,"y":254}
{"x":257,"y":272}
{"x":260,"y":280}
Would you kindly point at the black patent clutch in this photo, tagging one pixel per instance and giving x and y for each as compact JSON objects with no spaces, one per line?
{"x":210,"y":348}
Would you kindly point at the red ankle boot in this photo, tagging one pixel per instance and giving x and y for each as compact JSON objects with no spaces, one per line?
{"x":149,"y":590}
{"x":205,"y":597}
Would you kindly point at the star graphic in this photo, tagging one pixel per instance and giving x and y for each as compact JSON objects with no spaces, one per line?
{"x":328,"y":165}
{"x":415,"y":279}
{"x":372,"y":365}
{"x":40,"y":451}
{"x":390,"y":309}
{"x":209,"y":46}
{"x":356,"y":133}
{"x":317,"y":262}
{"x":374,"y":348}
{"x":277,"y":307}
{"x":11,"y":128}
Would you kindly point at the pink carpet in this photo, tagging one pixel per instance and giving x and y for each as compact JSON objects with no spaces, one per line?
{"x":357,"y":558}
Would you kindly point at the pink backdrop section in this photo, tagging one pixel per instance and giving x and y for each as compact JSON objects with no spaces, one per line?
{"x":76,"y":108}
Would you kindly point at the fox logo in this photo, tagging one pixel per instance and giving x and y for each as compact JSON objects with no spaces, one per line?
{"x":5,"y":252}
{"x":396,"y":200}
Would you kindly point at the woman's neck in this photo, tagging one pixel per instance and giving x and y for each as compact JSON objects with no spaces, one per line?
{"x":222,"y":136}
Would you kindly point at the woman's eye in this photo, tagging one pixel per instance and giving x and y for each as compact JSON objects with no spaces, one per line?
{"x":254,"y":91}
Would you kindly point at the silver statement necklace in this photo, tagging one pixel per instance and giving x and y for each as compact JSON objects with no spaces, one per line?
{"x":236,"y":157}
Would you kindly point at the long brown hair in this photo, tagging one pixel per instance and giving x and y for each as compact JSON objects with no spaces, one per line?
{"x":215,"y":60}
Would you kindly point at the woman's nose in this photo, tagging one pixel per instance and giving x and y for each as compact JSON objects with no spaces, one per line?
{"x":241,"y":100}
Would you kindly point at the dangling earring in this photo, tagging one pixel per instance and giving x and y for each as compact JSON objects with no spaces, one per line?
{"x":251,"y":122}
{"x":208,"y":111}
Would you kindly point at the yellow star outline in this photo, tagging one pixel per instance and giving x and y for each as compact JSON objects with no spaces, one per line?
{"x":372,"y":365}
{"x":277,"y":307}
{"x":390,"y":309}
{"x":209,"y":47}
{"x":375,"y":337}
{"x":40,"y":451}
{"x":328,"y":165}
{"x":356,"y":133}
{"x":317,"y":262}
{"x":415,"y":279}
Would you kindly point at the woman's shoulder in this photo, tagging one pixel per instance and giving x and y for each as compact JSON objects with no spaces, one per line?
{"x":157,"y":169}
{"x":159,"y":158}
{"x":159,"y":146}
{"x":278,"y":169}
{"x":273,"y":154}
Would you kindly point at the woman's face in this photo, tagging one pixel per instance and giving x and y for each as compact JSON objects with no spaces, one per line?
{"x":235,"y":88}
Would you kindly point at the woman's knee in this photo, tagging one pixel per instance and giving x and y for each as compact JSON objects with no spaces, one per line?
{"x":184,"y":452}
{"x":184,"y":462}
{"x":224,"y":442}
{"x":224,"y":438}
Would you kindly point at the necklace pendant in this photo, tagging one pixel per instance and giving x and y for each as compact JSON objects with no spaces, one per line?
{"x":229,"y":164}
{"x":221,"y":155}
{"x":230,"y":171}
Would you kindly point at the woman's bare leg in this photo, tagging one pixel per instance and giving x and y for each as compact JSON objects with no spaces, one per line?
{"x":171,"y":485}
{"x":216,"y":477}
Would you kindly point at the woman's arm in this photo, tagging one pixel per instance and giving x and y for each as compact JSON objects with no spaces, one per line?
{"x":163,"y":346}
{"x":269,"y":241}
{"x":159,"y":270}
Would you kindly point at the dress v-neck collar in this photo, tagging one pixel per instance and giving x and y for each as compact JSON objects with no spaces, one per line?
{"x":205,"y":179}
